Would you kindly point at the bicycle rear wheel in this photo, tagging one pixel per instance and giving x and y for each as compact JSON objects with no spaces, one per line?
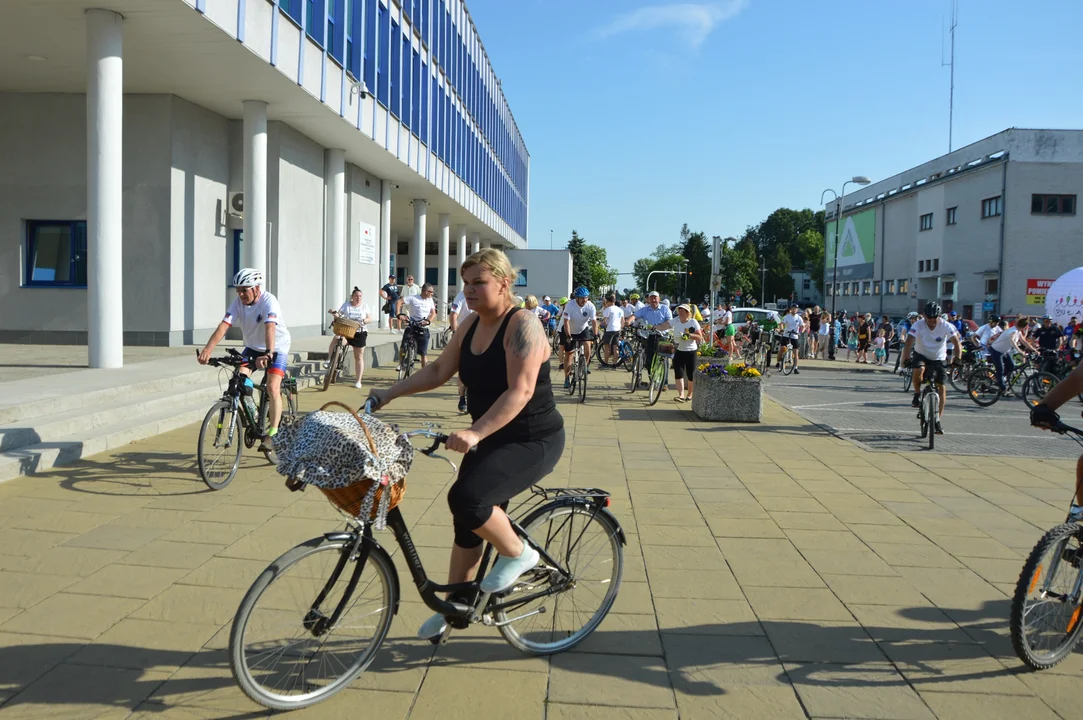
{"x":284,"y":652}
{"x":1045,"y":617}
{"x":957,"y":377}
{"x":218,"y":450}
{"x":1036,"y":387}
{"x":637,"y":371}
{"x":331,"y":375}
{"x":982,"y":387}
{"x":289,"y":410}
{"x":406,"y":360}
{"x":588,"y":545}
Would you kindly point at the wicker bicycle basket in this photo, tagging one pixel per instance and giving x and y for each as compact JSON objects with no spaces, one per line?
{"x":667,"y":349}
{"x":349,"y":499}
{"x":346,"y":328}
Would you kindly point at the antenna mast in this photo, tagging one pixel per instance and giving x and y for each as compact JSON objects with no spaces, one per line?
{"x":951,"y":93}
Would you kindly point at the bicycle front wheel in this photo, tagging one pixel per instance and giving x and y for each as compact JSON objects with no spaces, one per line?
{"x":583,"y":380}
{"x":1045,"y":618}
{"x":1037,"y":386}
{"x":331,"y":375}
{"x":932,"y":414}
{"x":218,"y":450}
{"x":588,"y":545}
{"x":284,"y":651}
{"x":659,"y":377}
{"x":788,"y":362}
{"x":982,"y":387}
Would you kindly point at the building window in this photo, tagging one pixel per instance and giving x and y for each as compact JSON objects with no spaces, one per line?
{"x":890,"y":288}
{"x":921,"y":266}
{"x":951,"y":216}
{"x":949,"y":288}
{"x":992,"y":285}
{"x":1052,"y":204}
{"x":904,"y":287}
{"x":866,"y":287}
{"x":927,"y":221}
{"x":403,"y":247}
{"x":936,"y":264}
{"x":520,"y":279}
{"x":845,"y":289}
{"x":829,"y":288}
{"x":431,"y":248}
{"x":806,"y":284}
{"x":876,"y":288}
{"x":56,"y":254}
{"x":990,"y":207}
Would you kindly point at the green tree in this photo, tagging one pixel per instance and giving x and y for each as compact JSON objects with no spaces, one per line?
{"x":737,"y":269}
{"x":698,"y":254}
{"x":811,"y":245}
{"x":580,"y":267}
{"x":598,"y":271}
{"x":664,"y":257}
{"x":779,"y":280}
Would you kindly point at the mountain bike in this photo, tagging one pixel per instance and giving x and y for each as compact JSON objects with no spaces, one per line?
{"x":314,"y":620}
{"x":237,"y":419}
{"x":982,"y":386}
{"x":409,"y":346}
{"x":1046,"y":611}
{"x":929,"y":405}
{"x":578,"y":376}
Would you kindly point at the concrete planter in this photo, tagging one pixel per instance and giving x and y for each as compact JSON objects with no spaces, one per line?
{"x":726,"y":399}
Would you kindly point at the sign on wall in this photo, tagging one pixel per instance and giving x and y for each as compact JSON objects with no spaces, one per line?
{"x":1037,"y":290}
{"x":857,"y":246}
{"x":366,"y":252}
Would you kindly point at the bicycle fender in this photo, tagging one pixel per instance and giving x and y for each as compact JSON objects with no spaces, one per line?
{"x":584,"y":502}
{"x":374,"y":549}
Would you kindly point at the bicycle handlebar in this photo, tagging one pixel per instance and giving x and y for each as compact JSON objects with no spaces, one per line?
{"x":234,"y":359}
{"x":438,"y":438}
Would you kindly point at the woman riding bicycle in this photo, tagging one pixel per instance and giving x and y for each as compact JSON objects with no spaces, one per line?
{"x":502,"y":357}
{"x":354,"y":309}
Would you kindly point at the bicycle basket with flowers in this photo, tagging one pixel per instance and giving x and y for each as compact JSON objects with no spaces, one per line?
{"x":358,"y":462}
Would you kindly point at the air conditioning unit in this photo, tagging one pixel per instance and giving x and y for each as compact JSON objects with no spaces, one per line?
{"x":236,"y":204}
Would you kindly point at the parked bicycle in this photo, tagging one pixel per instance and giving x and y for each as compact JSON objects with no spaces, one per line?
{"x":314,"y":620}
{"x":1046,"y":615}
{"x":236,"y":419}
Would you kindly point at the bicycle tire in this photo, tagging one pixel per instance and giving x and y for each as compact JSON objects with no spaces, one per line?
{"x":1027,"y":583}
{"x":544,"y":514}
{"x":332,"y":367}
{"x":1036,"y":387}
{"x":658,"y":379}
{"x":406,"y":360}
{"x":957,"y":377}
{"x":979,"y":384}
{"x":583,"y":381}
{"x":923,"y":420}
{"x":234,"y":427}
{"x":637,"y":371}
{"x":573,"y":376}
{"x":932,"y":403}
{"x":788,"y":362}
{"x":289,"y":410}
{"x":273,"y":574}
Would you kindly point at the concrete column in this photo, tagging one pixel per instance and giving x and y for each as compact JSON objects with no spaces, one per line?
{"x":385,"y":244}
{"x":417,"y":243}
{"x":255,"y":185}
{"x":475,"y":242}
{"x":335,"y":261}
{"x":441,"y":281}
{"x":460,"y":243}
{"x":486,"y":243}
{"x":105,"y":160}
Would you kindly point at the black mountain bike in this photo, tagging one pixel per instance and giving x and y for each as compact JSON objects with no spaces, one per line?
{"x":316,"y":617}
{"x":578,"y":376}
{"x":1046,"y":616}
{"x":237,"y":419}
{"x":929,"y":404}
{"x":408,"y":348}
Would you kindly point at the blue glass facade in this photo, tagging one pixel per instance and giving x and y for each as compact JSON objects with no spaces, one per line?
{"x":447,"y":94}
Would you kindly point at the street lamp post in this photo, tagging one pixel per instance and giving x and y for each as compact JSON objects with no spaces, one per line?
{"x":551,"y":235}
{"x":857,"y":180}
{"x":763,"y":280}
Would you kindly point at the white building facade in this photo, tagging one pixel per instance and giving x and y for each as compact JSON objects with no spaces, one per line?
{"x":153,"y":147}
{"x":981,"y":230}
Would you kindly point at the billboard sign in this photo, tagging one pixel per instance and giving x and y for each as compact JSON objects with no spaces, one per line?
{"x":857,"y":246}
{"x":1037,"y":289}
{"x":1064,"y":298}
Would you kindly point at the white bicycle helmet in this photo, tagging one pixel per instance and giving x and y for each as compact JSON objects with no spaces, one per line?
{"x":248,"y":277}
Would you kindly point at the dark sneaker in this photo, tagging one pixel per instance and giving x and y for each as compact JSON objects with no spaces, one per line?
{"x":1075,"y":514}
{"x":939,"y":430}
{"x":567,"y":383}
{"x":916,"y":402}
{"x":462,"y":404}
{"x":796,"y":371}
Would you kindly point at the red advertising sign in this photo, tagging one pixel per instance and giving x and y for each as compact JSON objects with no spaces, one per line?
{"x":1036,"y":291}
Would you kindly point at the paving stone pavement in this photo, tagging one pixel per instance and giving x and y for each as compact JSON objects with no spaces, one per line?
{"x":772,"y":571}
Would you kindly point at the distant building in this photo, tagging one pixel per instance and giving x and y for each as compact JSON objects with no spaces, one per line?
{"x":805,"y":291}
{"x":982,"y":229}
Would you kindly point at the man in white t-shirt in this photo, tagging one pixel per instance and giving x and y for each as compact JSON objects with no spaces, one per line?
{"x":987,"y":333}
{"x":792,"y":325}
{"x":613,"y":316}
{"x":1003,"y":346}
{"x":266,"y":339}
{"x":927,"y":342}
{"x":577,"y":319}
{"x":421,"y":309}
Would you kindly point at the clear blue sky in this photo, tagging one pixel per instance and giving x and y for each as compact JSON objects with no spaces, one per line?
{"x":641,"y":116}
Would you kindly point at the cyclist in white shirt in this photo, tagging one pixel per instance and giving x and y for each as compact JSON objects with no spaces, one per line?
{"x":987,"y":333}
{"x":266,"y":339}
{"x":354,"y":309}
{"x":614,"y":318}
{"x":420,"y":309}
{"x":577,"y":319}
{"x":792,"y":325}
{"x":1002,"y":348}
{"x":927,"y":343}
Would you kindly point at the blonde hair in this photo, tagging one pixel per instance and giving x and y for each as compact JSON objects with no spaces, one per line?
{"x":495,"y":262}
{"x":531,"y":302}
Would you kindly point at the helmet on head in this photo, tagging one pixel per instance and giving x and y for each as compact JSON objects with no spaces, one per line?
{"x":953,"y":314}
{"x":248,"y":277}
{"x":633,"y":296}
{"x":932,"y":309}
{"x":994,"y":318}
{"x":911,"y":316}
{"x":564,"y":301}
{"x":1046,"y":317}
{"x":582,"y":292}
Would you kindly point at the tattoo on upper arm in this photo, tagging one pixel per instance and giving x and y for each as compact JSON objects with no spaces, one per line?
{"x":525,"y":338}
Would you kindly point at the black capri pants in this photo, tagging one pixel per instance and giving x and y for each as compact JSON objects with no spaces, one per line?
{"x":684,"y":364}
{"x":493,"y":475}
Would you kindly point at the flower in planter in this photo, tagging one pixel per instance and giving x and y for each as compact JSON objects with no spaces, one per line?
{"x":734,"y":370}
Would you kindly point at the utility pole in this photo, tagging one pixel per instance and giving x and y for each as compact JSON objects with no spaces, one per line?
{"x":763,"y":280}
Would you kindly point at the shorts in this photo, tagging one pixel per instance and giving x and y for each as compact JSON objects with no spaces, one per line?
{"x":936,"y":367}
{"x":493,"y":475}
{"x":684,"y":364}
{"x":569,"y":342}
{"x":862,"y":345}
{"x":609,"y":337}
{"x":358,"y":340}
{"x":421,"y":336}
{"x":277,"y":365}
{"x":731,"y":330}
{"x":783,"y":341}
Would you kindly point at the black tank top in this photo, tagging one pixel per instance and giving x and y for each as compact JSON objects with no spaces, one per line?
{"x":486,"y":379}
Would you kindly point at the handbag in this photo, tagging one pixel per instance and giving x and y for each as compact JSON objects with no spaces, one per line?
{"x":357,"y":461}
